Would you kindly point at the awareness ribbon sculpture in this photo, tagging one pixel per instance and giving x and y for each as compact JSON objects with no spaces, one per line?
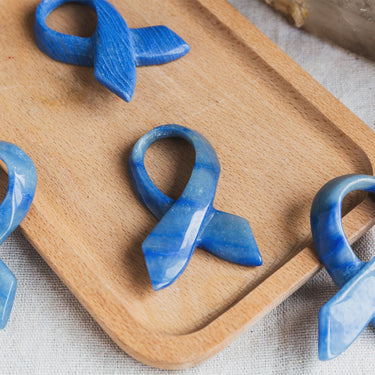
{"x":21,"y":190}
{"x":343,"y":317}
{"x":114,"y":50}
{"x":191,"y":221}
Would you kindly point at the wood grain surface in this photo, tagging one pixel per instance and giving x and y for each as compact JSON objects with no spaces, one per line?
{"x":279,"y":137}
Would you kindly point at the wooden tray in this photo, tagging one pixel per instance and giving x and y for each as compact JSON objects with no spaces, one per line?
{"x":279,"y":136}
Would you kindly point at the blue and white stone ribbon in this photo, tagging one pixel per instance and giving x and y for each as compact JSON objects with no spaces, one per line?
{"x":190,"y":221}
{"x":21,"y":190}
{"x":114,"y":50}
{"x":344,"y":317}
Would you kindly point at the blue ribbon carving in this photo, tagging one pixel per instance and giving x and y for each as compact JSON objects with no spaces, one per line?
{"x":21,"y":190}
{"x":344,"y":317}
{"x":114,"y":50}
{"x":190,"y":221}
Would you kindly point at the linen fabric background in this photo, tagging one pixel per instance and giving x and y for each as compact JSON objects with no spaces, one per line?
{"x":50,"y":333}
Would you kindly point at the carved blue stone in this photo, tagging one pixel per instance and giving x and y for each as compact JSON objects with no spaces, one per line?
{"x":21,"y":190}
{"x":190,"y":221}
{"x":114,"y":50}
{"x":344,"y":317}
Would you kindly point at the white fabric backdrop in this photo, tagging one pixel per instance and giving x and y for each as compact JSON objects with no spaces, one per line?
{"x":50,"y":333}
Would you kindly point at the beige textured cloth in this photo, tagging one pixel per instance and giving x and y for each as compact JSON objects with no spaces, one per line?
{"x":50,"y":333}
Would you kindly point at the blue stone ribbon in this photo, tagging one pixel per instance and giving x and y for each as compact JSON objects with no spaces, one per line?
{"x":114,"y":50}
{"x":344,"y":317}
{"x":21,"y":190}
{"x":190,"y":221}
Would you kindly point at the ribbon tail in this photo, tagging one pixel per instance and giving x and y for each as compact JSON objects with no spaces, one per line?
{"x":8,"y":286}
{"x":230,"y":237}
{"x":114,"y":61}
{"x":169,"y":247}
{"x":345,"y":316}
{"x":157,"y":45}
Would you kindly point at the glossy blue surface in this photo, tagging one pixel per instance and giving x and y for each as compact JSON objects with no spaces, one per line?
{"x":114,"y":50}
{"x":190,"y":221}
{"x":344,"y":317}
{"x":21,"y":190}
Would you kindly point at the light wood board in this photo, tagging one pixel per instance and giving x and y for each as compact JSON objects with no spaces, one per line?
{"x":278,"y":134}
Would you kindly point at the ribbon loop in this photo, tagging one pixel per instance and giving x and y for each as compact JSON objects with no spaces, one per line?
{"x":345,"y":316}
{"x":190,"y":221}
{"x":21,"y":190}
{"x":114,"y":49}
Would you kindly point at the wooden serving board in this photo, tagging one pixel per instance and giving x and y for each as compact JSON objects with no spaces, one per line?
{"x":279,"y":136}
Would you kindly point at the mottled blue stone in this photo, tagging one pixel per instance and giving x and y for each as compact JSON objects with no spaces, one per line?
{"x":343,"y":318}
{"x":190,"y":221}
{"x":21,"y":190}
{"x":8,"y":286}
{"x":114,"y":50}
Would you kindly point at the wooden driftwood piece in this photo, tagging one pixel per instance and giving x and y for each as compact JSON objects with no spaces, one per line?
{"x":351,"y":24}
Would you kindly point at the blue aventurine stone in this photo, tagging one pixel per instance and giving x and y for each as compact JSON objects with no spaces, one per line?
{"x":21,"y":190}
{"x":191,"y":221}
{"x":8,"y":286}
{"x":344,"y":317}
{"x":114,"y":50}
